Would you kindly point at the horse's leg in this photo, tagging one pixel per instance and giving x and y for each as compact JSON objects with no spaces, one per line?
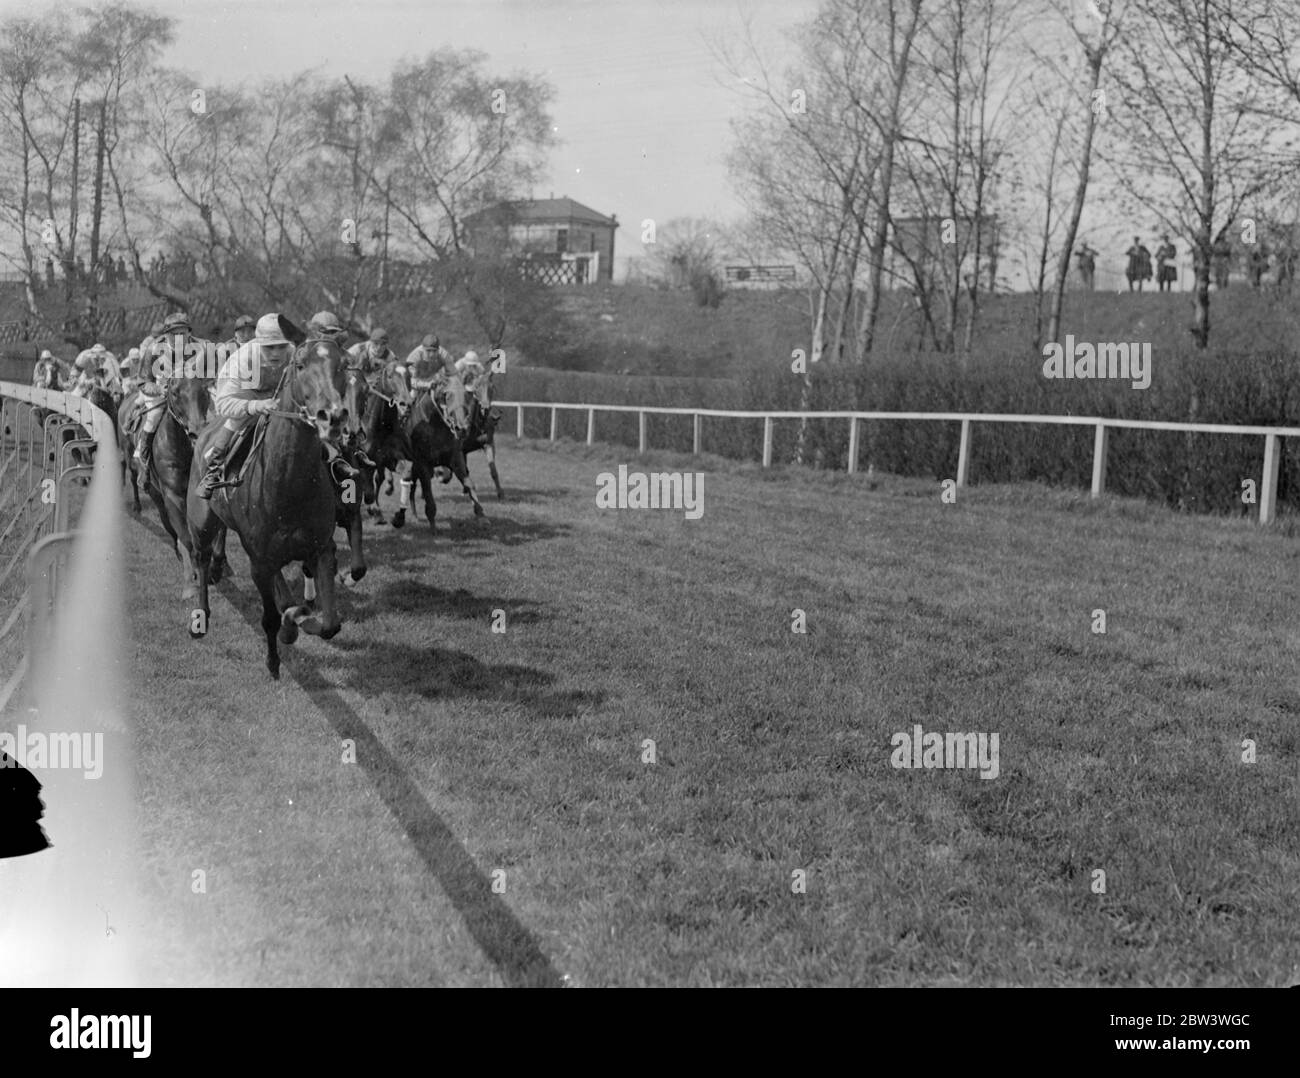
{"x":376,"y":513}
{"x":264,"y":577}
{"x":357,"y":567}
{"x":324,"y":622}
{"x":220,"y":567}
{"x":461,"y":471}
{"x":491,"y":452}
{"x":201,"y":534}
{"x":422,"y":476}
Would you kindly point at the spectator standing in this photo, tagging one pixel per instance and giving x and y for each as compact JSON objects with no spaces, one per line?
{"x":1167,"y":264}
{"x":1087,"y":261}
{"x":1139,"y":264}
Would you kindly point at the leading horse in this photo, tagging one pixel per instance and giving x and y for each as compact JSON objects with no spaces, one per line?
{"x":284,"y":509}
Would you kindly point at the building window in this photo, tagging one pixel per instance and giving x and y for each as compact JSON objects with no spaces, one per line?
{"x":561,"y":240}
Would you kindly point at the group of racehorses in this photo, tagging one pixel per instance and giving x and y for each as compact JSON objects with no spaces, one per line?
{"x":282,"y":497}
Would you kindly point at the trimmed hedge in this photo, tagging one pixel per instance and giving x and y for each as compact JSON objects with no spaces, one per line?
{"x":1199,"y":472}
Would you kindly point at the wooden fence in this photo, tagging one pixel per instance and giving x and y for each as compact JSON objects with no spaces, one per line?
{"x":1268,"y":485}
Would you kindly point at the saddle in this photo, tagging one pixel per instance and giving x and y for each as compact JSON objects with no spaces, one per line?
{"x":241,"y":453}
{"x":244,"y":446}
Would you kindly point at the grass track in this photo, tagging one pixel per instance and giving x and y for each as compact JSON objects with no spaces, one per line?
{"x":522,"y":752}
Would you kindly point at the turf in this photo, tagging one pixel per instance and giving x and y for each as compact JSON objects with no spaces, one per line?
{"x":501,"y":824}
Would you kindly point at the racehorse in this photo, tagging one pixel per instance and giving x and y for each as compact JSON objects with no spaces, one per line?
{"x":362,"y":491}
{"x":434,"y":445}
{"x":284,"y":509}
{"x":483,"y":420}
{"x":186,"y":409}
{"x":384,"y":437}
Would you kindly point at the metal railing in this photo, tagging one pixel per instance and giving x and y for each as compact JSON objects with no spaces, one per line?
{"x":1272,"y":435}
{"x":43,"y":451}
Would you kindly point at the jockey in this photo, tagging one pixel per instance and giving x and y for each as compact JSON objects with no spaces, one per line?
{"x":94,"y":367}
{"x":427,"y":361}
{"x":474,"y":375}
{"x":131,"y":371}
{"x":325,"y":326}
{"x":167,"y":363}
{"x":246,"y":386}
{"x":371,"y":356}
{"x":243,"y":334}
{"x":46,"y":375}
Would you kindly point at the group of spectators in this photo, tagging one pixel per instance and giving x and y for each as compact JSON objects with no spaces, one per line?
{"x":1142,"y":265}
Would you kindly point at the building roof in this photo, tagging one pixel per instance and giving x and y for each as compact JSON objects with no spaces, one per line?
{"x":544,"y":210}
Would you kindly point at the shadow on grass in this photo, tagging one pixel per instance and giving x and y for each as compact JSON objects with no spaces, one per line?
{"x":441,"y":673}
{"x":419,"y":597}
{"x":506,"y":942}
{"x":494,"y":531}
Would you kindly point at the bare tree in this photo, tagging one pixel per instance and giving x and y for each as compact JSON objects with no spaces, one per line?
{"x":1200,"y":141}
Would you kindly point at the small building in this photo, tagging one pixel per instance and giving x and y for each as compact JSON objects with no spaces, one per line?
{"x":557,"y":240}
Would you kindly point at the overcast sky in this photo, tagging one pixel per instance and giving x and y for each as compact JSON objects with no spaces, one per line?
{"x":642,"y":105}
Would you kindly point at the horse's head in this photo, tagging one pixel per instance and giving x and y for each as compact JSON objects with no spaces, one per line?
{"x":189,"y":400}
{"x":394,"y":381}
{"x":316,"y":384}
{"x":356,"y":398}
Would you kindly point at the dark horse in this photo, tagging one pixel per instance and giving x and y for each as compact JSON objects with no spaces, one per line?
{"x":383,"y":429}
{"x":482,"y":435}
{"x":284,"y":510}
{"x":187,"y":404}
{"x":352,"y":494}
{"x":433,"y":445}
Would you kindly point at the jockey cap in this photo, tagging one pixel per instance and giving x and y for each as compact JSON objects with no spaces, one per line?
{"x":269,"y":334}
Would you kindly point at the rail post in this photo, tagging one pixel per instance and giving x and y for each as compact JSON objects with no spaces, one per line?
{"x":698,"y":440}
{"x":1268,"y":495}
{"x":555,"y":420}
{"x":591,"y":425}
{"x":767,"y":441}
{"x":963,"y":454}
{"x":1099,"y":447}
{"x":641,"y":438}
{"x":853,"y":445}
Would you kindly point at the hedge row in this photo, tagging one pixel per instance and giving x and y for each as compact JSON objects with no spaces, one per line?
{"x":1199,"y":472}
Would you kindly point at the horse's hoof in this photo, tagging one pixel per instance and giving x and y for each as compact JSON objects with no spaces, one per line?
{"x":478,"y":511}
{"x":275,"y":671}
{"x":288,"y":633}
{"x":355,"y":577}
{"x":399,"y":518}
{"x":330,"y":634}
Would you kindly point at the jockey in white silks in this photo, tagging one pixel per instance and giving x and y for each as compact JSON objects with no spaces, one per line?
{"x":96,"y":367}
{"x":475,"y":377}
{"x":130,"y":371}
{"x":246,"y":387}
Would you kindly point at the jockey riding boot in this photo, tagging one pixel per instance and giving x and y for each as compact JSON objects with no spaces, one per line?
{"x":144,"y":447}
{"x":216,"y":458}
